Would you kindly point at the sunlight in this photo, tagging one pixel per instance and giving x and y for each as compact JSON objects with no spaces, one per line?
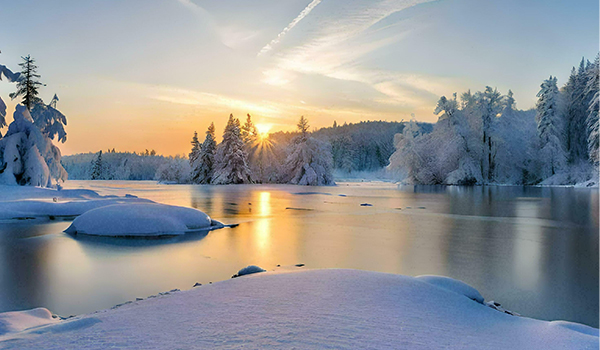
{"x":263,"y":129}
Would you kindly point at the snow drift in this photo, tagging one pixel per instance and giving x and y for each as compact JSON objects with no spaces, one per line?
{"x":336,"y":309}
{"x":141,"y":220}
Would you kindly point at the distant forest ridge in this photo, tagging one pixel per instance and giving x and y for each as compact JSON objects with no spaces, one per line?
{"x":363,"y":146}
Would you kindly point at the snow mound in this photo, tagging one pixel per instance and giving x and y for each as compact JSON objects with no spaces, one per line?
{"x":308,"y":309}
{"x":248,"y":270}
{"x":577,"y":327}
{"x":18,"y":321}
{"x":140,"y":220}
{"x":453,"y":285}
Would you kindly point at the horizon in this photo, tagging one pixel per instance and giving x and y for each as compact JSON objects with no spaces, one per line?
{"x":189,"y":63}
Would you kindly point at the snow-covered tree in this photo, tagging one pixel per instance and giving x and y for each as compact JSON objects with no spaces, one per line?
{"x":97,"y":168}
{"x":50,"y":120}
{"x":552,"y":155}
{"x":592,"y":126}
{"x":249,"y":132}
{"x":309,"y":160}
{"x":28,"y":83}
{"x":177,"y":170}
{"x":231,"y":158}
{"x":12,"y":78}
{"x":195,"y":149}
{"x":576,"y":114}
{"x":27,"y":157}
{"x":490,"y":103}
{"x":203,"y":166}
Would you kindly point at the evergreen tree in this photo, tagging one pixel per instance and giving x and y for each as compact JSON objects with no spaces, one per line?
{"x":97,"y":168}
{"x":50,"y":120}
{"x":549,"y":129}
{"x":592,"y":117}
{"x":231,"y":158}
{"x":249,"y":132}
{"x":195,"y":149}
{"x":28,"y":83}
{"x":309,"y":161}
{"x":576,"y":114}
{"x":490,"y":102}
{"x":203,"y":165}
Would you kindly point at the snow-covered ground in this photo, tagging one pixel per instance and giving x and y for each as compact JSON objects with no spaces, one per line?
{"x":334,"y":309}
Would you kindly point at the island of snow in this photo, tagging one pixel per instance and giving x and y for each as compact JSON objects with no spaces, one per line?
{"x":141,"y":220}
{"x":308,"y":309}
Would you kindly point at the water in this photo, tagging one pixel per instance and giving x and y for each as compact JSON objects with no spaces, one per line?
{"x":535,"y":250}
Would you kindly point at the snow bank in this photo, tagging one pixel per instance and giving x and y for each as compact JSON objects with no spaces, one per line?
{"x":18,"y":321}
{"x":248,"y":270}
{"x":453,"y":285}
{"x":336,"y":309}
{"x":140,"y":220}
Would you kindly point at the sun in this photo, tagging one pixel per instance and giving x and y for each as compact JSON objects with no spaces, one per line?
{"x":263,"y":129}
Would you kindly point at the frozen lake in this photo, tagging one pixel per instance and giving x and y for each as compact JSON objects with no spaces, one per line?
{"x":535,"y":250}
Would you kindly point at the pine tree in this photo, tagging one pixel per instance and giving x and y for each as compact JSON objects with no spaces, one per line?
{"x":98,"y":168}
{"x":195,"y":149}
{"x":303,"y":127}
{"x":248,"y":131}
{"x":549,"y":128}
{"x":592,"y":123}
{"x":203,"y":165}
{"x":28,"y":83}
{"x":231,"y":158}
{"x":50,"y":120}
{"x":575,"y":123}
{"x":309,"y":161}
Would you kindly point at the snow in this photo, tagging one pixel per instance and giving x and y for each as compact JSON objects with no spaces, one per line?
{"x":140,"y":220}
{"x":453,"y":286}
{"x":18,"y":321}
{"x":248,"y":270}
{"x":335,"y":309}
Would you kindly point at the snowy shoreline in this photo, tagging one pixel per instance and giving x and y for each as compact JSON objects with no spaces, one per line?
{"x":305,"y":309}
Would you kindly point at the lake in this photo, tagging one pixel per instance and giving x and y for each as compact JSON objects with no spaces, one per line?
{"x":534,"y":250}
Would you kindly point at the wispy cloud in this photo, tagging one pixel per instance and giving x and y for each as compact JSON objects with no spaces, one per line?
{"x":292,"y":24}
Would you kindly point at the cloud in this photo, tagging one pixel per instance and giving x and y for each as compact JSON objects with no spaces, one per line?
{"x":292,"y":24}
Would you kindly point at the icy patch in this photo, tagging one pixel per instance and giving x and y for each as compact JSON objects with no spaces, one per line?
{"x":453,"y":285}
{"x":248,"y":270}
{"x":18,"y":321}
{"x":141,"y":220}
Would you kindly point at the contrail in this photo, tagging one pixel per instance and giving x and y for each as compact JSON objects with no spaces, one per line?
{"x":292,"y":24}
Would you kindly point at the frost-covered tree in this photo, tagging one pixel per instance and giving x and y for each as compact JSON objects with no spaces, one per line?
{"x":309,"y":160}
{"x":592,"y":117}
{"x":231,"y":159}
{"x":28,"y":157}
{"x":552,"y":155}
{"x":12,"y":78}
{"x":195,"y":149}
{"x":577,"y":104}
{"x":203,"y":166}
{"x":490,"y":103}
{"x":97,"y":168}
{"x":28,"y":83}
{"x":50,"y":120}
{"x":177,"y":170}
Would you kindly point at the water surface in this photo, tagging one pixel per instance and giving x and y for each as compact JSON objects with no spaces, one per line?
{"x":535,"y":250}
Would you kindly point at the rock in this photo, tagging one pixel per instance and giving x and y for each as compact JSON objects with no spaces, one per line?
{"x":248,"y":270}
{"x":299,"y":265}
{"x":197,"y":285}
{"x":366,"y":204}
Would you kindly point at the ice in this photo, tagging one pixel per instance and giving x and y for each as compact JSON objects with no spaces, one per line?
{"x":140,"y":220}
{"x":335,"y":309}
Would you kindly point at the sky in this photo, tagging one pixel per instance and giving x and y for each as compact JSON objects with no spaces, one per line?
{"x":135,"y":75}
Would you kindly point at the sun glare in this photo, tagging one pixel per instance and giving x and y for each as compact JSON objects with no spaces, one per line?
{"x":263,"y":129}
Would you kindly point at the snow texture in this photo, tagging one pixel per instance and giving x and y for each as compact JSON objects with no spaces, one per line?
{"x":334,"y":309}
{"x":18,"y":321}
{"x":453,"y":285}
{"x":140,"y":220}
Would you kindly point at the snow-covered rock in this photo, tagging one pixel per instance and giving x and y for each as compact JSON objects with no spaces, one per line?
{"x":248,"y":270}
{"x":18,"y":321}
{"x":307,"y":309}
{"x":140,"y":220}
